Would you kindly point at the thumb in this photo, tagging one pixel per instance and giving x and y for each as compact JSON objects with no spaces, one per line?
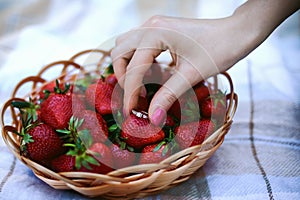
{"x":166,"y":96}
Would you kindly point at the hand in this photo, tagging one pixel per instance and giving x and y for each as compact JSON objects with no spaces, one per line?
{"x":200,"y":48}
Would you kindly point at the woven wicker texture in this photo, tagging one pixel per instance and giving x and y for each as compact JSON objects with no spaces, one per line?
{"x":126,"y":183}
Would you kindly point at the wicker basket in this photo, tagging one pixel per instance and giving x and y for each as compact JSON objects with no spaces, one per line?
{"x":126,"y":183}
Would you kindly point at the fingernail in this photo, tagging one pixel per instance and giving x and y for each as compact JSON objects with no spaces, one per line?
{"x":158,"y":117}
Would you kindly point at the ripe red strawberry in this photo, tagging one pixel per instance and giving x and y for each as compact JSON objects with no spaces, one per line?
{"x":78,"y":103}
{"x":102,"y":154}
{"x":186,"y":108}
{"x":56,"y":110}
{"x":139,"y":132}
{"x":111,"y":79}
{"x":95,"y":124}
{"x":121,"y":157}
{"x":53,"y":87}
{"x":142,"y":104}
{"x":201,"y":91}
{"x":48,"y":88}
{"x":43,"y":143}
{"x":63,"y":163}
{"x":103,"y":98}
{"x":170,"y":122}
{"x":193,"y":133}
{"x":154,"y":153}
{"x":82,"y":148}
{"x":214,"y":106}
{"x":175,"y":110}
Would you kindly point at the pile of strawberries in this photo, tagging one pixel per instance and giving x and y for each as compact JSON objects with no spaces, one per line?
{"x":80,"y":127}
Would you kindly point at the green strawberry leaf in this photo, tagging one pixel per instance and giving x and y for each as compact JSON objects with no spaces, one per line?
{"x":78,"y":163}
{"x":129,"y":148}
{"x":165,"y":150}
{"x":21,"y":104}
{"x":27,"y":138}
{"x":64,"y":131}
{"x":71,"y":153}
{"x":108,"y":70}
{"x":85,"y":137}
{"x":91,"y":160}
{"x":70,"y":145}
{"x":27,"y":110}
{"x":113,"y":128}
{"x":82,"y":84}
{"x":46,"y":94}
{"x":58,"y":90}
{"x":157,"y":148}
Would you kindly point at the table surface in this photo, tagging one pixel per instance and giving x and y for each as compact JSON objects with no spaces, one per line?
{"x":260,"y":156}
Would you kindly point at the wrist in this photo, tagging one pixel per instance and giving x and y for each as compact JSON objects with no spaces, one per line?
{"x":247,"y":32}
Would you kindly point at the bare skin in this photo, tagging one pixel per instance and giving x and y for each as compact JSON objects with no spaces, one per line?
{"x":199,"y":47}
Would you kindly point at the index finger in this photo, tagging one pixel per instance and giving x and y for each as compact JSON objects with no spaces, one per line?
{"x":141,"y":61}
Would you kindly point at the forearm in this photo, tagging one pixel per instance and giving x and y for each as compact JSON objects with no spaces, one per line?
{"x":257,"y":19}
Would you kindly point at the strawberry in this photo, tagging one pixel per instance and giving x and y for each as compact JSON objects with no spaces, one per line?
{"x":186,"y":108}
{"x":201,"y":91}
{"x":103,"y":98}
{"x":95,"y":124}
{"x":41,"y":143}
{"x":214,"y":106}
{"x":56,"y":110}
{"x":63,"y":163}
{"x":175,"y":110}
{"x":54,"y":87}
{"x":142,"y":104}
{"x":154,"y":153}
{"x":89,"y":156}
{"x":193,"y":133}
{"x":78,"y":103}
{"x":111,"y":79}
{"x":121,"y":157}
{"x":47,"y":89}
{"x":170,"y":121}
{"x":139,"y":132}
{"x":102,"y":154}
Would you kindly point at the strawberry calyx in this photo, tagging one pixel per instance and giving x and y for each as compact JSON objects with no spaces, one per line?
{"x":58,"y":89}
{"x":108,"y":70}
{"x":191,"y":112}
{"x":78,"y":143}
{"x":82,"y":84}
{"x":28,"y":109}
{"x":29,"y":120}
{"x":82,"y":158}
{"x":218,"y":97}
{"x":169,"y":143}
{"x":116,"y":138}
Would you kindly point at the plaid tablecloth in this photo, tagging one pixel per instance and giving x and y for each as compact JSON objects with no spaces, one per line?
{"x":260,"y":157}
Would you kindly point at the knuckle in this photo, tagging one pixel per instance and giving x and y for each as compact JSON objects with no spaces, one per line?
{"x":156,"y":21}
{"x":169,"y":97}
